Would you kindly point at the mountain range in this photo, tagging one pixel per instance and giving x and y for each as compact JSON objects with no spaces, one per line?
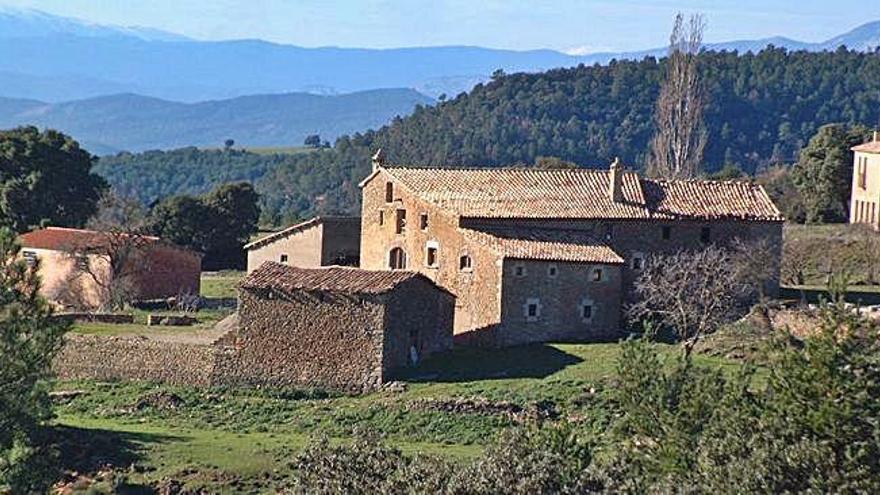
{"x":107,"y":124}
{"x":52,"y":58}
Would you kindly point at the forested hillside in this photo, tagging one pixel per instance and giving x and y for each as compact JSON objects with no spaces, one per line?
{"x":763,"y":108}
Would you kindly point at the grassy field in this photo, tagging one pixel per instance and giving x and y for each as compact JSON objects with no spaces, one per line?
{"x":220,"y":284}
{"x":244,"y":439}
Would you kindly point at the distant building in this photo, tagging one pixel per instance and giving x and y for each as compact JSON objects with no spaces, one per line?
{"x":335,"y":327}
{"x":538,"y":255}
{"x":865,"y":196}
{"x":74,"y":273}
{"x":321,"y":241}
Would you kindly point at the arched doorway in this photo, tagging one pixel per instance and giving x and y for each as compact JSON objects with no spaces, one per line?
{"x":397,"y":259}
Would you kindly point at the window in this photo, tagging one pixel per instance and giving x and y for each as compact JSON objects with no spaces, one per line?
{"x":432,"y":257}
{"x":587,"y":312}
{"x":638,"y":261}
{"x":397,"y":259}
{"x":400,"y":224}
{"x":284,"y":258}
{"x":465,"y":263}
{"x":597,"y":275}
{"x":532,"y":309}
{"x":82,"y":262}
{"x":862,"y":172}
{"x":381,"y":217}
{"x":30,"y":258}
{"x":705,"y":234}
{"x":552,"y":271}
{"x":519,"y":270}
{"x":423,"y":221}
{"x":666,"y":232}
{"x":389,"y":192}
{"x":609,"y":231}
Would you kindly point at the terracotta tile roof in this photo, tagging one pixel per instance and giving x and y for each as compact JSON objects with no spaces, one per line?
{"x":269,"y":239}
{"x":524,"y":192}
{"x":63,"y":239}
{"x":869,"y":147}
{"x":709,"y":200}
{"x":581,"y":194}
{"x":271,"y":275}
{"x":543,"y":244}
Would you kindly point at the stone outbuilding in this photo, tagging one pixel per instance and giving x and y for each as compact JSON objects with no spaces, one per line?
{"x":335,"y":327}
{"x":321,"y":241}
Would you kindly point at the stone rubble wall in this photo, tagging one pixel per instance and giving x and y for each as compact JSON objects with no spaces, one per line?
{"x":111,"y":358}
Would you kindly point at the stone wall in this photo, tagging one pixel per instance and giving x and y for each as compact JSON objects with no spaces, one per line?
{"x":477,"y":290}
{"x":306,"y":339}
{"x":107,"y":358}
{"x":417,"y":315}
{"x":340,"y":241}
{"x":559,"y":290}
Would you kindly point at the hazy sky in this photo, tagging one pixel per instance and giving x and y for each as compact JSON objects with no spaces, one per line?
{"x":559,"y":24}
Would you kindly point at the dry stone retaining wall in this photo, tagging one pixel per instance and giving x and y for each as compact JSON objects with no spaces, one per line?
{"x":108,"y":358}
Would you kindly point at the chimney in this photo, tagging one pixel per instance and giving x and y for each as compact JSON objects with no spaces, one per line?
{"x":615,"y":182}
{"x":378,"y":159}
{"x":876,"y":136}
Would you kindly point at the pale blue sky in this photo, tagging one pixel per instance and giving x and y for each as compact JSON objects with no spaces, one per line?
{"x":559,"y":24}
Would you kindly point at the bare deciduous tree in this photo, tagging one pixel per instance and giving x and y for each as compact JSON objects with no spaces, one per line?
{"x":112,"y":258}
{"x":677,"y":147}
{"x":694,"y":292}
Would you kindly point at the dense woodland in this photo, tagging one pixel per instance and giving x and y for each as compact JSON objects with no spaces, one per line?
{"x":763,"y":108}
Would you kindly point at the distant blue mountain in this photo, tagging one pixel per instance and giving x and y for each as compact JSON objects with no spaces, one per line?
{"x":53,"y":58}
{"x":108,"y":124}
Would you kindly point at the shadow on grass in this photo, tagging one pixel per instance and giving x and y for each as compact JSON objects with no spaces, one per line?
{"x":469,"y":364}
{"x":85,"y":451}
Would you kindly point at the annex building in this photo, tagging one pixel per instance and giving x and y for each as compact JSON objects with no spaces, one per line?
{"x":320,"y":241}
{"x":536,"y":255}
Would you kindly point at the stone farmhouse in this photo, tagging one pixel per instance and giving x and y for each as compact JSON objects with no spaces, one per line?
{"x":336,"y":327}
{"x":75,"y":274}
{"x":537,"y":255}
{"x":866,"y":184}
{"x":321,"y":241}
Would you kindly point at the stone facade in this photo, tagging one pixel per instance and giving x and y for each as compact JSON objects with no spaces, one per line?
{"x":865,"y":198}
{"x":333,"y":338}
{"x":430,"y":217}
{"x":321,"y":241}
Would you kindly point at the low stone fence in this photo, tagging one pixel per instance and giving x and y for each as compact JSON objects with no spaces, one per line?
{"x":108,"y":358}
{"x":171,"y":321}
{"x":95,"y":318}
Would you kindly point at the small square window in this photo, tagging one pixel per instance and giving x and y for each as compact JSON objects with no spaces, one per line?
{"x":597,"y":275}
{"x":30,"y":258}
{"x":432,"y":258}
{"x":532,"y":309}
{"x":638,"y":263}
{"x":465,"y":263}
{"x":609,"y":231}
{"x":82,"y":262}
{"x":284,"y":258}
{"x":705,"y":234}
{"x":552,"y":271}
{"x":423,"y":221}
{"x":519,"y":270}
{"x":666,"y":232}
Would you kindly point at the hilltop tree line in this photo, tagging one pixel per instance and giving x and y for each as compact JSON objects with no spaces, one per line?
{"x":761,"y":109}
